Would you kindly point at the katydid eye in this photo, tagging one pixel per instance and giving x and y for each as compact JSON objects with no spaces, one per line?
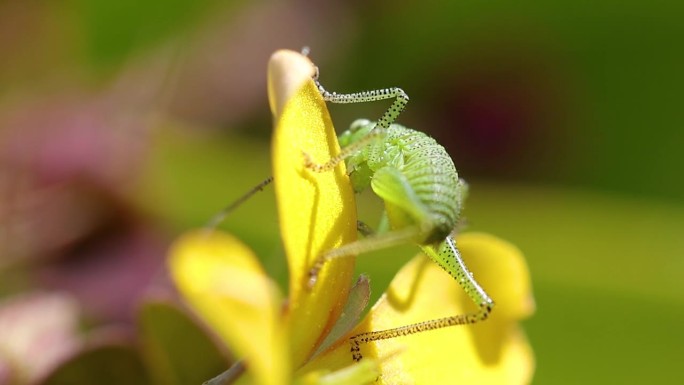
{"x":359,"y":124}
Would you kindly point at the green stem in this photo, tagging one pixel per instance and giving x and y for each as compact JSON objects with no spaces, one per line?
{"x":229,"y":376}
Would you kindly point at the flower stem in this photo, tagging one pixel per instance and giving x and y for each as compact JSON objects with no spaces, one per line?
{"x":229,"y":376}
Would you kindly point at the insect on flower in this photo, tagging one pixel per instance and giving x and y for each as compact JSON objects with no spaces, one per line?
{"x":422,"y":193}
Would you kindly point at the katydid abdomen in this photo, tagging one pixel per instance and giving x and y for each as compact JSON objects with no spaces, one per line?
{"x":403,"y":159}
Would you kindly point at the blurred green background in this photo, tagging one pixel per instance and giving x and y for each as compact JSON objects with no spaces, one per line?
{"x":125,"y":123}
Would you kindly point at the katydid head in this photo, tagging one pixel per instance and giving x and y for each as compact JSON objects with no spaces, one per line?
{"x":359,"y":173}
{"x":358,"y":129}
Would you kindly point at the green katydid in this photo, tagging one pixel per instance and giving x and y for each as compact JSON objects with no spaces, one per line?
{"x":423,"y":196}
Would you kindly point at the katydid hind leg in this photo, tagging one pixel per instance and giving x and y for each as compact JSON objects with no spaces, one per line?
{"x":389,"y":184}
{"x":379,"y":242}
{"x":449,"y":258}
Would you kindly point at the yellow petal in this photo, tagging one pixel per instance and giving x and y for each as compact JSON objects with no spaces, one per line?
{"x":223,"y":281}
{"x":316,"y":210}
{"x":502,"y":267}
{"x":358,"y":373}
{"x":493,"y":352}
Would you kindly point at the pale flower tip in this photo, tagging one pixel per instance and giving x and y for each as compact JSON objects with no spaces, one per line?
{"x":287,"y":72}
{"x":529,"y":307}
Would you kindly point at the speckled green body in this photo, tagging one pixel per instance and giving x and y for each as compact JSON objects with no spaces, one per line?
{"x":417,"y":180}
{"x":423,"y":196}
{"x":432,"y":193}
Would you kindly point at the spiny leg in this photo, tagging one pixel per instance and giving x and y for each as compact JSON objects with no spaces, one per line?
{"x":344,"y":153}
{"x":379,"y":242}
{"x":218,"y":218}
{"x":449,"y":258}
{"x":401,"y":99}
{"x":389,"y":185}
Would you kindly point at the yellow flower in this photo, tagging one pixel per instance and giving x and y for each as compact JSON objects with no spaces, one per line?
{"x":280,"y":340}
